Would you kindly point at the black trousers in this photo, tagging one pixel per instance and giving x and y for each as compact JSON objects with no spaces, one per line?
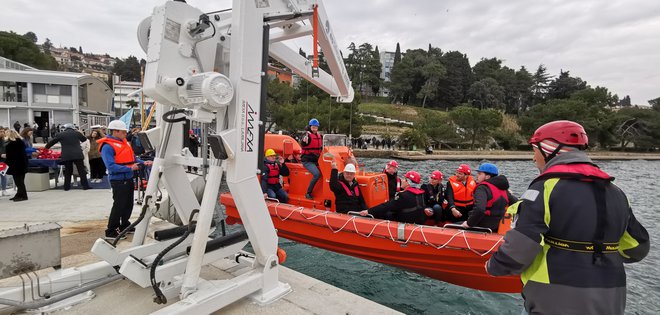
{"x":19,"y":181}
{"x":68,"y":172}
{"x":448,"y":216}
{"x":122,"y":205}
{"x":97,"y":168}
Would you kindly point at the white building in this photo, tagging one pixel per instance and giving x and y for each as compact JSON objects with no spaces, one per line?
{"x":126,"y":91}
{"x":387,"y":60}
{"x":53,"y":97}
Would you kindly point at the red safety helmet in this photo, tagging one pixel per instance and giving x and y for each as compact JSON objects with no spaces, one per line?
{"x":393,"y":163}
{"x":414,"y":177}
{"x":565,"y":132}
{"x":464,"y":168}
{"x":436,"y":175}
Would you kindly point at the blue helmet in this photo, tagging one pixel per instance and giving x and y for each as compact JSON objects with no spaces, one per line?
{"x":314,"y":122}
{"x":489,"y":168}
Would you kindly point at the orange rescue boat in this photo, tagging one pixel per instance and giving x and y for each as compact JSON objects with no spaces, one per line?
{"x":448,"y":254}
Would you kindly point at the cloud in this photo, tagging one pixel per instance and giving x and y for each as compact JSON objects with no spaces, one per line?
{"x":608,"y":43}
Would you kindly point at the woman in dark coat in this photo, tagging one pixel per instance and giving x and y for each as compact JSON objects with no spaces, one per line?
{"x":18,"y":163}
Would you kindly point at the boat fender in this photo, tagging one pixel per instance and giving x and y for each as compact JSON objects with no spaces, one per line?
{"x":401,"y":232}
{"x":281,"y":256}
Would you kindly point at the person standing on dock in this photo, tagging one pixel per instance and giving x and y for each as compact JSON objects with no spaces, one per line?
{"x":72,"y":154}
{"x":120,"y":161}
{"x":312,"y":145}
{"x":491,"y":198}
{"x":459,"y":194}
{"x":572,"y":232}
{"x":393,"y":180}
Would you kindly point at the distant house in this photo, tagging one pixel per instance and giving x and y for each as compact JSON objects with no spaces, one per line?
{"x":53,"y":97}
{"x":387,"y":61}
{"x":283,"y":75}
{"x":125,"y":92}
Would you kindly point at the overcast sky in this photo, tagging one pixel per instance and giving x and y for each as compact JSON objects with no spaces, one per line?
{"x":611,"y":43}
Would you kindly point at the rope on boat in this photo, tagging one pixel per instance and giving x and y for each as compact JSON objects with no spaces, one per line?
{"x":299,"y":210}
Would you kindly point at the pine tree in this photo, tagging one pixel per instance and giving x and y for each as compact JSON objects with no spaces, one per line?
{"x":397,"y":55}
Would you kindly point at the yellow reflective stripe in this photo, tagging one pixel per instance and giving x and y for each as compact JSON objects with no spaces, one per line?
{"x":548,"y":186}
{"x":627,"y":242}
{"x":538,"y":270}
{"x":513,"y":209}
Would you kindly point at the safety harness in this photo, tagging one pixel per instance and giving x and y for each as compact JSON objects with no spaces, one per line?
{"x":599,"y":181}
{"x":354,"y":193}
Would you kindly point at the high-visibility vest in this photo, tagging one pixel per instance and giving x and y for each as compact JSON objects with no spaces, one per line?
{"x":123,"y":152}
{"x":463,"y":194}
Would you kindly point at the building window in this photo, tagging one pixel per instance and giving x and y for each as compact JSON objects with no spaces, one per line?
{"x":52,"y":93}
{"x":13,"y":91}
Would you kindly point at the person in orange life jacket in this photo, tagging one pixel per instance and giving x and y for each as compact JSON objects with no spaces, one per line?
{"x":120,"y":161}
{"x":312,"y":145}
{"x":572,"y":231}
{"x":393,"y":180}
{"x":271,"y":171}
{"x":346,"y":189}
{"x":491,"y":198}
{"x":407,"y":206}
{"x":458,"y":194}
{"x":434,"y":195}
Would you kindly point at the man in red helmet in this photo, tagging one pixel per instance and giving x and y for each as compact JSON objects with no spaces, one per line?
{"x":434,"y":195}
{"x":459,"y":194}
{"x":393,"y":180}
{"x":572,"y":232}
{"x":407,"y":206}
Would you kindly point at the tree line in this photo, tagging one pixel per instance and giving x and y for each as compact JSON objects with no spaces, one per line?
{"x":491,"y":104}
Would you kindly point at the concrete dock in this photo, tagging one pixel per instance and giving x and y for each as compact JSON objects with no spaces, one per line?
{"x":83,"y":216}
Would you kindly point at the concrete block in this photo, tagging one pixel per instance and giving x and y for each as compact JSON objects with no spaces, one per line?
{"x":37,"y":182}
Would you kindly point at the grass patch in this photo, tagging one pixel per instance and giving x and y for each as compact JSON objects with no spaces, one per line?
{"x":400,"y":112}
{"x":394,"y":131}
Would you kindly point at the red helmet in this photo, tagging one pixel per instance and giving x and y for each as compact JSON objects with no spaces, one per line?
{"x":393,"y":163}
{"x":436,"y":175}
{"x":414,"y":177}
{"x":464,"y":168}
{"x":565,"y":132}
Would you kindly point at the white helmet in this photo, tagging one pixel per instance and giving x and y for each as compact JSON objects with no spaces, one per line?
{"x":117,"y":125}
{"x":349,"y":168}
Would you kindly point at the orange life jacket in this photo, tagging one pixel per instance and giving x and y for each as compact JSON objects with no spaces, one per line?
{"x":497,"y":194}
{"x":123,"y":152}
{"x":463,"y":194}
{"x":315,"y":145}
{"x":273,"y":173}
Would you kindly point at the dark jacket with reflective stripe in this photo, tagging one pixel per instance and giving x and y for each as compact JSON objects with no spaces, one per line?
{"x":560,"y":281}
{"x":343,"y":200}
{"x":479,"y":216}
